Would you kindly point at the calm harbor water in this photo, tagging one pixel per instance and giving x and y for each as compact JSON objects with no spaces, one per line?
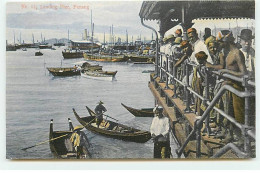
{"x":33,"y":97}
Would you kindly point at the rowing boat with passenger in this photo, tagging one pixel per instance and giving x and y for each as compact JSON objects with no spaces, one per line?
{"x":67,"y":71}
{"x":112,"y":129}
{"x":62,"y":147}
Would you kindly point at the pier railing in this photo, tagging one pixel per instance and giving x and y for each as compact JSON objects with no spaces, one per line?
{"x":169,"y":77}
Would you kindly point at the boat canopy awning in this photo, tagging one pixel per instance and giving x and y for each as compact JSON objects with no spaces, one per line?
{"x":171,"y":13}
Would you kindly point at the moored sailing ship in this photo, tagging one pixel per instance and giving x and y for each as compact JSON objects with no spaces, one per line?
{"x":85,"y":45}
{"x":68,"y":54}
{"x":105,"y":58}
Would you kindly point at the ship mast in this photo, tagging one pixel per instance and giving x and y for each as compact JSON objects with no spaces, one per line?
{"x":20,"y":38}
{"x":68,"y":37}
{"x":41,"y":37}
{"x":33,"y":38}
{"x":104,"y":39}
{"x":14,"y":38}
{"x":127,"y":48}
{"x":112,"y":36}
{"x":110,"y":39}
{"x":92,"y":25}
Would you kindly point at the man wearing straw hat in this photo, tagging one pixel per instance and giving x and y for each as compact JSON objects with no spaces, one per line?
{"x":99,"y":110}
{"x":76,"y":138}
{"x":170,"y":41}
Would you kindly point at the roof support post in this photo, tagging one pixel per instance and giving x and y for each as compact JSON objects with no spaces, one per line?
{"x":185,"y":37}
{"x":157,"y":47}
{"x":182,"y":14}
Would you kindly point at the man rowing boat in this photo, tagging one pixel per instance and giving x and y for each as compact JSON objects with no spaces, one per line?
{"x":99,"y":110}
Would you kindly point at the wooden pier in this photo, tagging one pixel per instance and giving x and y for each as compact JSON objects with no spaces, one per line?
{"x":182,"y":123}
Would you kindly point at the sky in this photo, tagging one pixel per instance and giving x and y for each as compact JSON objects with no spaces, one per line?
{"x":54,"y":19}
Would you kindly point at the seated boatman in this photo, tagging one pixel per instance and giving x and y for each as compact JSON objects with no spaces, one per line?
{"x":160,"y":134}
{"x":99,"y":110}
{"x":76,"y":138}
{"x":75,"y":68}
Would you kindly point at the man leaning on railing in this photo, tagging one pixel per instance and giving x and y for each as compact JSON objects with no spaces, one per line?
{"x":235,"y":65}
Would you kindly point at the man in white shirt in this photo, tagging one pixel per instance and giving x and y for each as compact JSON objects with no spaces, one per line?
{"x":160,"y":134}
{"x":170,"y":40}
{"x":163,"y":48}
{"x":249,"y":53}
{"x":197,"y":45}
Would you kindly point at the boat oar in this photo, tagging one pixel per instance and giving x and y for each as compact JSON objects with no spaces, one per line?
{"x":91,"y":112}
{"x":44,"y":142}
{"x":52,"y":138}
{"x":110,"y":117}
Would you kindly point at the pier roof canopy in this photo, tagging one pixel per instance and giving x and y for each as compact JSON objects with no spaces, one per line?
{"x":184,"y":11}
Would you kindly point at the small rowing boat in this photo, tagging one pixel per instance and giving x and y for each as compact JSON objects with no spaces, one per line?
{"x":97,"y":75}
{"x":68,"y":71}
{"x":87,"y":66}
{"x":38,"y":53}
{"x":113,"y":129}
{"x":96,"y":69}
{"x":62,"y":147}
{"x":145,"y":112}
{"x":111,"y":73}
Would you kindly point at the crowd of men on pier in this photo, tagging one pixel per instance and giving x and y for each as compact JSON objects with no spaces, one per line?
{"x":212,"y":57}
